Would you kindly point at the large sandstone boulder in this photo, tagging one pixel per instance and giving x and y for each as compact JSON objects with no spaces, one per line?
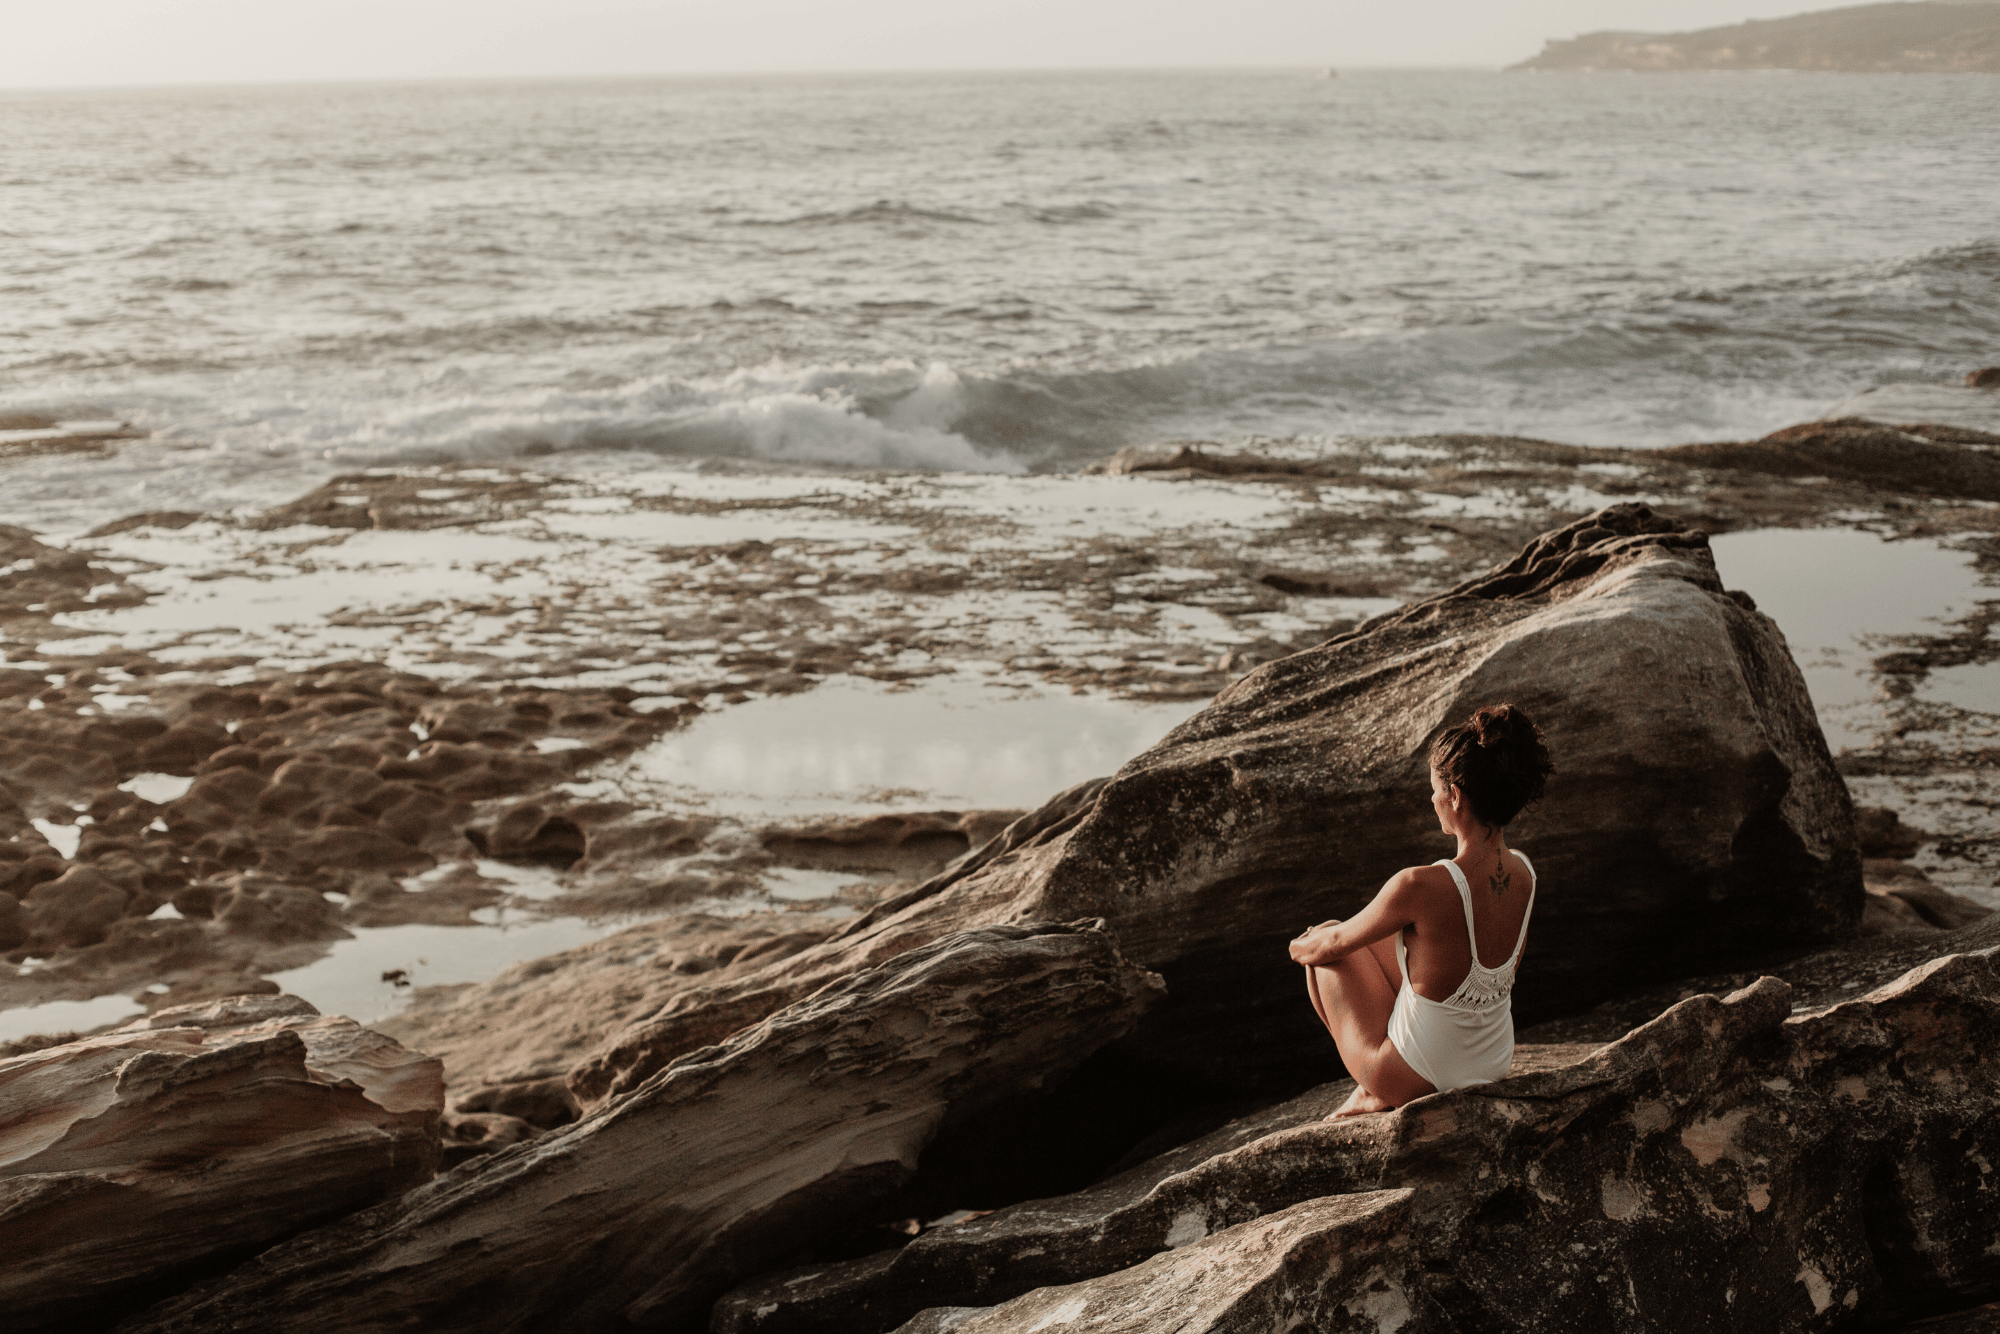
{"x":643,"y":1213}
{"x":146,"y":1156}
{"x":1728,"y":1166}
{"x":1246,"y":1169}
{"x":1695,"y":816}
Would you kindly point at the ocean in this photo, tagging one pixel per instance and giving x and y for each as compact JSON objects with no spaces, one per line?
{"x":967,"y":272}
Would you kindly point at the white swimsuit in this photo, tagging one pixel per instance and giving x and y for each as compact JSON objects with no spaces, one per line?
{"x":1468,"y":1038}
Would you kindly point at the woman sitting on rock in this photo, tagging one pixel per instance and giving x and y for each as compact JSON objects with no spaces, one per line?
{"x":1426,"y":1013}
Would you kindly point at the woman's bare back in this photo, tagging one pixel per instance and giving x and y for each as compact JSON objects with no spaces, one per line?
{"x":1438,"y":952}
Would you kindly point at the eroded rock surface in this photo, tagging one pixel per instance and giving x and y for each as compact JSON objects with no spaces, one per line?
{"x":143,"y":1157}
{"x":1695,"y":810}
{"x":340,"y":783}
{"x":1917,"y":459}
{"x":1728,"y":1166}
{"x":644,"y":1212}
{"x":1238,"y":1172}
{"x":508,"y":1042}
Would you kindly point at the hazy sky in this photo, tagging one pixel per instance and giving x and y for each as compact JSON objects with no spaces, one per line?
{"x":86,"y":42}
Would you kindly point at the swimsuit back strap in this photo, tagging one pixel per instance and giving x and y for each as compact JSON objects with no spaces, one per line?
{"x":1465,"y":901}
{"x":1533,"y":880}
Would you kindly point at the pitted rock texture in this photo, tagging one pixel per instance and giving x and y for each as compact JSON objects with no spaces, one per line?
{"x":339,"y":781}
{"x":142,"y":1158}
{"x":643,"y":1213}
{"x":1695,"y":811}
{"x":1727,"y":1167}
{"x":1243,"y":1170}
{"x":1323,"y":1265}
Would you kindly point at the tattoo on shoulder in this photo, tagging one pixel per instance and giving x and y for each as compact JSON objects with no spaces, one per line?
{"x":1499,"y":881}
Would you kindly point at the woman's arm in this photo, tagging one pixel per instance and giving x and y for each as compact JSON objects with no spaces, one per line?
{"x":1388,"y":912}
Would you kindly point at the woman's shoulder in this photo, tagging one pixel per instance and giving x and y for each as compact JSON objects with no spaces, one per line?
{"x":1431,"y":879}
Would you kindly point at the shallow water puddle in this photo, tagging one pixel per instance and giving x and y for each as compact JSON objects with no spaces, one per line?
{"x":856,"y":743}
{"x":1972,"y":685}
{"x":66,"y":1016}
{"x":62,"y":837}
{"x":797,"y":884}
{"x":370,"y":976}
{"x":1833,"y":590}
{"x":157,"y":788}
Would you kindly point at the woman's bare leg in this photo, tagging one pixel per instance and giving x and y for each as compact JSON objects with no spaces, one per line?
{"x":1384,"y":951}
{"x":1353,"y":997}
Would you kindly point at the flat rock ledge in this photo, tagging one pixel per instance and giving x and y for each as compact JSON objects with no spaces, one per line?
{"x":1695,"y":809}
{"x":1728,"y":1166}
{"x":195,"y":1137}
{"x":644,"y":1212}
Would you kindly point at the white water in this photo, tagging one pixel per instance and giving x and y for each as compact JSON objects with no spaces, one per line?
{"x":968,"y":271}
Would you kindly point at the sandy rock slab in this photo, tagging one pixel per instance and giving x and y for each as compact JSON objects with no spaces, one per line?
{"x":138,"y":1159}
{"x":1729,"y":1166}
{"x":1249,"y":1168}
{"x":508,"y":1042}
{"x":1695,"y":810}
{"x":643,"y":1213}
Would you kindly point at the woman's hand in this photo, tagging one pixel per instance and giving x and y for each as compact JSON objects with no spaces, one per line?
{"x":1318,"y":944}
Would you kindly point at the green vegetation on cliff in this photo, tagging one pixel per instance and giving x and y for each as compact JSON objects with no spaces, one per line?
{"x":1912,"y":37}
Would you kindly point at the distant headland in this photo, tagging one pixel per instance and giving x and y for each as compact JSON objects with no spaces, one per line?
{"x":1901,"y":38}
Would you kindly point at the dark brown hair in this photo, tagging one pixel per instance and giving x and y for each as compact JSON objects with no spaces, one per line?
{"x":1497,"y":758}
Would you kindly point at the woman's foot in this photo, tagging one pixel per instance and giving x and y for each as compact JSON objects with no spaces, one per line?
{"x":1360,"y":1103}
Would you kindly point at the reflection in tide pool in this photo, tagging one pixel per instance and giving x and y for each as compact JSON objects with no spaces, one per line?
{"x":853,"y":742}
{"x":1972,"y":685}
{"x":350,"y":981}
{"x":66,"y":1016}
{"x":1832,"y":590}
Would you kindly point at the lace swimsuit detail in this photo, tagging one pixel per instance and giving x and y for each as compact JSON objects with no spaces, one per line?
{"x":1467,"y":1038}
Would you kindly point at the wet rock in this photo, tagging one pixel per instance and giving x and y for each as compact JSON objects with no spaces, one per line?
{"x":314,"y":793}
{"x":1305,"y":583}
{"x":169,"y":519}
{"x":1880,"y":832}
{"x":1727,"y":1166}
{"x":377,"y":500}
{"x":901,"y":842}
{"x":1902,"y":894}
{"x":642,"y":1213}
{"x":1887,"y":914}
{"x":141,"y":1158}
{"x":13,"y":922}
{"x":1855,"y":450}
{"x":1695,"y":811}
{"x":1987,"y":377}
{"x":532,"y":834}
{"x":252,"y":905}
{"x":77,"y":907}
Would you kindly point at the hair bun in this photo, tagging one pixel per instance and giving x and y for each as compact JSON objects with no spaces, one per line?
{"x":1497,"y":758}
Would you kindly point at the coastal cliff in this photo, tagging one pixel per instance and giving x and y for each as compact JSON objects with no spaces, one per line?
{"x":1894,"y":38}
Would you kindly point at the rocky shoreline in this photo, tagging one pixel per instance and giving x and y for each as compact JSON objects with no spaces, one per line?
{"x":463,"y":698}
{"x":1924,"y":37}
